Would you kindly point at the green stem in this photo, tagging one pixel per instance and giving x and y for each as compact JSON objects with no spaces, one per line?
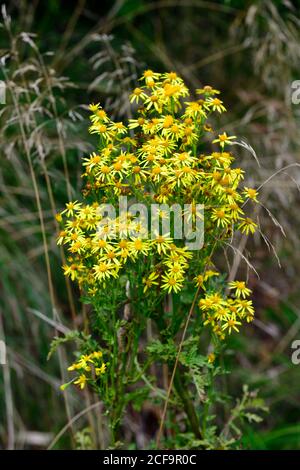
{"x":207,"y":404}
{"x":180,"y":388}
{"x":187,"y":404}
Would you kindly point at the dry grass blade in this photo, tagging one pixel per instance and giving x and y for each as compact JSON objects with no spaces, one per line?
{"x":72,"y":422}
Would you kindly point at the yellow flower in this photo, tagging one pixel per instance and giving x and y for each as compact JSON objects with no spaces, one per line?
{"x":104,"y":270}
{"x":74,"y":366}
{"x":206,"y":303}
{"x":167,"y":121}
{"x":216,"y":105}
{"x":221,"y":313}
{"x":153,"y":101}
{"x":149,"y":76}
{"x":176,"y":270}
{"x":240,"y":288}
{"x":84,"y":359}
{"x":61,"y":236}
{"x":244,"y":307}
{"x":137,"y":247}
{"x":118,"y":127}
{"x":99,"y":115}
{"x":94,"y":107}
{"x":111,"y":256}
{"x":210,"y":273}
{"x":102,"y":130}
{"x":103,"y":173}
{"x":209,"y":320}
{"x":150,"y":281}
{"x":97,"y":354}
{"x":133,"y":123}
{"x":199,"y":280}
{"x":136,"y":95}
{"x":162,"y":244}
{"x":81,"y":381}
{"x":100,"y":245}
{"x":250,"y":193}
{"x":207,"y":90}
{"x":247,"y":226}
{"x":221,"y":217}
{"x":171,"y":283}
{"x":194,"y":109}
{"x":100,"y":370}
{"x":71,"y":208}
{"x":224,"y":139}
{"x":92,"y":161}
{"x":235,"y":211}
{"x":211,"y":358}
{"x":231,"y":324}
{"x":71,"y":271}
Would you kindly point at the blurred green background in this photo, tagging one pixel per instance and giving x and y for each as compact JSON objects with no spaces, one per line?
{"x":56,"y":58}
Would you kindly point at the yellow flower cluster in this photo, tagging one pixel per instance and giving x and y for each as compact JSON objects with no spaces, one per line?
{"x":158,"y":157}
{"x":88,"y":367}
{"x":223,"y":314}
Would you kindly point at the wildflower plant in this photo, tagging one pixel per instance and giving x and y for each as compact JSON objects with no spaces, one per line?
{"x":144,"y":288}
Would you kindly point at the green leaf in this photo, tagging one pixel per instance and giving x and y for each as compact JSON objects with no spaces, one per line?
{"x":58,"y":340}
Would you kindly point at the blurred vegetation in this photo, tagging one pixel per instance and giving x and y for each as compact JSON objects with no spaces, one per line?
{"x":55,"y":59}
